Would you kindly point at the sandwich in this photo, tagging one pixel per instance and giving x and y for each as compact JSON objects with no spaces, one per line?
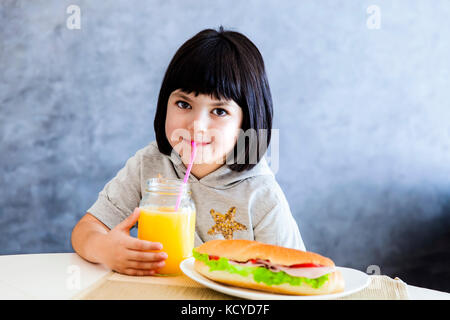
{"x":266,"y":267}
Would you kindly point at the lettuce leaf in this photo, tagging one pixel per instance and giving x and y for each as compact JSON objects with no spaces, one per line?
{"x":260,"y":274}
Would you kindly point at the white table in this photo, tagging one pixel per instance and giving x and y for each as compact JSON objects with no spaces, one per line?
{"x":62,"y":275}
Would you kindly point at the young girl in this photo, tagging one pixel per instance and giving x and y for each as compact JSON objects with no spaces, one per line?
{"x":214,"y":92}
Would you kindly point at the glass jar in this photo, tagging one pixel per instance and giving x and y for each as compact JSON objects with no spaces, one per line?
{"x":159,"y":222}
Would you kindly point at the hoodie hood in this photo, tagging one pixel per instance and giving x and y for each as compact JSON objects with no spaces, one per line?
{"x":223,"y":177}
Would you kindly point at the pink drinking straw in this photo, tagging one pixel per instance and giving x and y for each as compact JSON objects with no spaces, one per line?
{"x":188,"y":171}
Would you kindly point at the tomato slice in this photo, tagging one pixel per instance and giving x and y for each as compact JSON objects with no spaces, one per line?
{"x":214,"y":258}
{"x":305,"y":265}
{"x":256,"y":260}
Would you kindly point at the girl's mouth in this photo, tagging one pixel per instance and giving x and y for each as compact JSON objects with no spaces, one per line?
{"x":198,"y":143}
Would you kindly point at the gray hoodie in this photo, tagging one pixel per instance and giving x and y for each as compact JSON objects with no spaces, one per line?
{"x":254,"y":196}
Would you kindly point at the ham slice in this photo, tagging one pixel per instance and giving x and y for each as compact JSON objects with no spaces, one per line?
{"x":310,"y":273}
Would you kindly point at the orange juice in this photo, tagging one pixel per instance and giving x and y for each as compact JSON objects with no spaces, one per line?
{"x":175,"y":230}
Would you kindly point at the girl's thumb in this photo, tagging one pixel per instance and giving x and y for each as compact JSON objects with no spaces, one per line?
{"x":131,"y":220}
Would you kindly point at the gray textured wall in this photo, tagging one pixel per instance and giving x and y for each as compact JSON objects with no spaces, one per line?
{"x":363,"y":116}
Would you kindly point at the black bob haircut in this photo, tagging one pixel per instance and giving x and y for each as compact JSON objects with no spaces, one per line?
{"x":227,"y":66}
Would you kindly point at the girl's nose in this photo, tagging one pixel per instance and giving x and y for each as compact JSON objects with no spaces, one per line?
{"x":199,"y":123}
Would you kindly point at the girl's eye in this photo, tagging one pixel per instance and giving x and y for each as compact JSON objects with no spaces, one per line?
{"x":222,"y":112}
{"x":182,"y":104}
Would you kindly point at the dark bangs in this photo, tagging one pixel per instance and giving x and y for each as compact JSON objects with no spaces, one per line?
{"x":227,"y":66}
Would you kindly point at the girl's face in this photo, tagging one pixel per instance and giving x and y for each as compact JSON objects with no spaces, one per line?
{"x":213,"y":124}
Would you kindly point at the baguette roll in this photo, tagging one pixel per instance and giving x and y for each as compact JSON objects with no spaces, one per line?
{"x":242,"y":251}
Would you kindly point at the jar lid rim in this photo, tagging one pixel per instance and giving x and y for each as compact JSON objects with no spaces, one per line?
{"x":173,"y":185}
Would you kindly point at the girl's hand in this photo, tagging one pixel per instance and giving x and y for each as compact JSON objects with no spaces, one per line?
{"x":126,"y":254}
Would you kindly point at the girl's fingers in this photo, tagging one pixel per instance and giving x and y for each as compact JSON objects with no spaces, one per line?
{"x":143,"y":256}
{"x":145,"y":265}
{"x":143,"y":245}
{"x":139,"y":272}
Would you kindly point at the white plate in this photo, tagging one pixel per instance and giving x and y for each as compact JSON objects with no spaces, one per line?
{"x":355,"y":281}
